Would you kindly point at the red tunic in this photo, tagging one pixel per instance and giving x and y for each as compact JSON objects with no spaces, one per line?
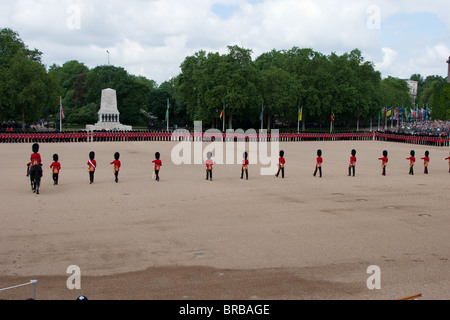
{"x":92,"y":165}
{"x":281,"y":162}
{"x":412,"y":160}
{"x":384,"y":160}
{"x":209,"y":164}
{"x":319,"y":161}
{"x":55,"y":166}
{"x":116,"y":164}
{"x":352,"y":160}
{"x":245,"y":164}
{"x":157,"y":163}
{"x":425,"y":160}
{"x":35,"y":159}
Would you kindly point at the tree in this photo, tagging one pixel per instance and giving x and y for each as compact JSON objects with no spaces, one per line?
{"x":441,"y":102}
{"x":395,"y":93}
{"x":29,"y":88}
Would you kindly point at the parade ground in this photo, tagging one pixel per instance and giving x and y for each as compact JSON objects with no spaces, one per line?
{"x":301,"y":237}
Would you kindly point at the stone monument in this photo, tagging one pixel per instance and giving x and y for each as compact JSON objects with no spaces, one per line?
{"x":108,"y":115}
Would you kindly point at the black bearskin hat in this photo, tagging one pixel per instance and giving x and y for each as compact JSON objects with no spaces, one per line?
{"x":319,"y":153}
{"x":116,"y":156}
{"x":157,"y":155}
{"x":281,"y":153}
{"x":245,"y":155}
{"x":55,"y":157}
{"x":92,"y":155}
{"x":412,"y":153}
{"x":427,"y":153}
{"x":385,"y":153}
{"x":209,"y":155}
{"x":353,"y":152}
{"x":35,"y":147}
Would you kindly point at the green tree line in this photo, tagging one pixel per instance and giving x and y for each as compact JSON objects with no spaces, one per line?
{"x":280,"y":82}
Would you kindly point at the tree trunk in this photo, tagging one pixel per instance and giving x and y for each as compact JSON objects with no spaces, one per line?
{"x":230,"y":121}
{"x":269,"y":121}
{"x":303,"y":123}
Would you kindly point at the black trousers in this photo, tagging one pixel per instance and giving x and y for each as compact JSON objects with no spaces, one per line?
{"x":91,"y":176}
{"x":55,"y":176}
{"x":320,"y":171}
{"x":242,"y":173}
{"x":209,"y":172}
{"x":282,"y":172}
{"x":351,"y":169}
{"x":157,"y":175}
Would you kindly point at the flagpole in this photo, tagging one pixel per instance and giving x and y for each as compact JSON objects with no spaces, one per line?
{"x":60,"y":114}
{"x":223,"y":118}
{"x":167,"y":114}
{"x":379,"y":118}
{"x":298,"y":120}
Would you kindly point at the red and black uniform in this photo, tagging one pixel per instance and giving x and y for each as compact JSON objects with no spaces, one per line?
{"x":384,"y":161}
{"x":281,"y":164}
{"x":412,"y":160}
{"x":157,"y":165}
{"x":117,"y":165}
{"x":319,"y":161}
{"x":35,"y":169}
{"x":244,"y":167}
{"x":56,"y":167}
{"x":209,"y":166}
{"x":92,"y":165}
{"x":352,"y":165}
{"x":426,"y":160}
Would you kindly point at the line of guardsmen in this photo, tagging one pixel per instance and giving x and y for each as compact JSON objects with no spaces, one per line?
{"x":83,"y":136}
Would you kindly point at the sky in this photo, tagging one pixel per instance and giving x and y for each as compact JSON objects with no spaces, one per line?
{"x":151,"y":38}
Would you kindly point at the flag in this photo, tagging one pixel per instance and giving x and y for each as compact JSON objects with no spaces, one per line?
{"x":396,"y":113}
{"x":401,"y":113}
{"x":384,"y":112}
{"x":389,"y":112}
{"x":61,"y":108}
{"x":300,"y":114}
{"x":332,"y":116}
{"x":262,"y":114}
{"x":221,"y":114}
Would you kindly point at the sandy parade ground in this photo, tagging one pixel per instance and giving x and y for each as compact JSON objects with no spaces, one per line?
{"x":301,"y":237}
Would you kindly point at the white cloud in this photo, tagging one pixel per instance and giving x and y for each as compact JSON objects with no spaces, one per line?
{"x":155,"y":36}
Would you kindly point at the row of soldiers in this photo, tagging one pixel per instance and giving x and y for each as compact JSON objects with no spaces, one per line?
{"x":83,"y":136}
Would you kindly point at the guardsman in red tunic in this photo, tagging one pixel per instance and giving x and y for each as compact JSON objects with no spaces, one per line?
{"x":426,"y":160}
{"x":244,"y":166}
{"x":384,"y":161}
{"x":56,"y":167}
{"x":319,"y":161}
{"x":117,"y":165}
{"x":412,"y":160}
{"x":35,"y":166}
{"x":281,"y":164}
{"x":157,"y":165}
{"x":92,"y":165}
{"x":209,"y":166}
{"x":352,"y":165}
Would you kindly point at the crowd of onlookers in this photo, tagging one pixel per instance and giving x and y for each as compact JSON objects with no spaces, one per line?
{"x":429,"y":127}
